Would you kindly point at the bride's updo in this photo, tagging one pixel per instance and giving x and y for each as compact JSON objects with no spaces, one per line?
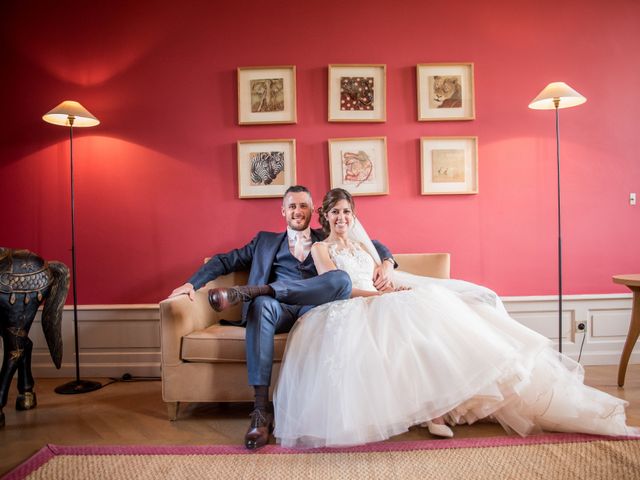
{"x":332,"y":197}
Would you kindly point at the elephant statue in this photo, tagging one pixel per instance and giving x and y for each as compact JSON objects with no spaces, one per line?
{"x":25,"y":280}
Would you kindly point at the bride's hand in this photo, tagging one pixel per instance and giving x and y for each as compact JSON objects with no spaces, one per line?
{"x":390,"y":287}
{"x":383,"y":277}
{"x":401,"y":289}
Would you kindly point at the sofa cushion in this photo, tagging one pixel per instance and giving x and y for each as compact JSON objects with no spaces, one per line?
{"x":221,"y":344}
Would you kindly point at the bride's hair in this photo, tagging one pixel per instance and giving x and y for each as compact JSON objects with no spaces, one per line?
{"x":330,"y":199}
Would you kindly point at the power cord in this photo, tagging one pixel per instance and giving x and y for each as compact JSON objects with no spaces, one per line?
{"x":128,"y":378}
{"x":582,"y":327}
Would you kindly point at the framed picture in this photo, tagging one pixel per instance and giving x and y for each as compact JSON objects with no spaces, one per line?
{"x":357,"y":93}
{"x":449,"y":165}
{"x":359,"y":165}
{"x":445,"y":92}
{"x":266,"y":95}
{"x":266,"y":168}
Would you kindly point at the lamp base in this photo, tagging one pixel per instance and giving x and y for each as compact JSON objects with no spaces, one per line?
{"x":78,"y":386}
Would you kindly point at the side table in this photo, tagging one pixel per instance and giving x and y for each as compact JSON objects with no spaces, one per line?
{"x":633,"y":282}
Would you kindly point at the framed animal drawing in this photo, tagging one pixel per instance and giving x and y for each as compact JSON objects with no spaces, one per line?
{"x":357,"y":93}
{"x":449,"y":165}
{"x":266,"y":168}
{"x":266,"y":95}
{"x":445,"y":91}
{"x":359,"y":165}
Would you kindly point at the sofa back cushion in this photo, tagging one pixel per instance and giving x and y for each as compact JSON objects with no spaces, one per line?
{"x":437,"y":265}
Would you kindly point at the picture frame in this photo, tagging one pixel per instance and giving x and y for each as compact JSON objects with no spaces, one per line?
{"x":449,"y":165}
{"x":358,"y":93}
{"x":267,"y":95}
{"x":445,"y":92}
{"x":359,"y":165}
{"x":266,"y":168}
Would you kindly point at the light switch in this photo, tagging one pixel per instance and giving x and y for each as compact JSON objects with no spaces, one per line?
{"x":632,"y":198}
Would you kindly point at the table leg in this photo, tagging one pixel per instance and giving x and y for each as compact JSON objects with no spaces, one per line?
{"x":632,"y":336}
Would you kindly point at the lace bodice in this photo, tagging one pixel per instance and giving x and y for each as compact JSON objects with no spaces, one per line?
{"x":356,"y":262}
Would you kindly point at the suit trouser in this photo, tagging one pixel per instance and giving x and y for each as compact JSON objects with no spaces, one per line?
{"x":268,"y":316}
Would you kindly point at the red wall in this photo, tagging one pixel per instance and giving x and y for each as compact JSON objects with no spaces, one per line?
{"x":156,"y":181}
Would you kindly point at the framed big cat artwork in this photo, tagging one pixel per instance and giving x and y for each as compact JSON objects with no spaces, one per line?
{"x":445,"y":92}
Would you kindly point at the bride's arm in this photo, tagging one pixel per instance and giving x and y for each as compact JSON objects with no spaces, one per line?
{"x":321,"y":258}
{"x":324,"y":264}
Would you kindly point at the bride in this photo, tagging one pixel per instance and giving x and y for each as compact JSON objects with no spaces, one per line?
{"x":365,"y":369}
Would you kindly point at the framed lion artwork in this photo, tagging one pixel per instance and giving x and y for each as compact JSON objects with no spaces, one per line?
{"x":445,"y":92}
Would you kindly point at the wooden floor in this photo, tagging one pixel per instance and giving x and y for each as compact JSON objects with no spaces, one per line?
{"x":133,"y":413}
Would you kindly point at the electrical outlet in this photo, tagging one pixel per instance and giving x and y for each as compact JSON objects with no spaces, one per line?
{"x":632,"y":198}
{"x":581,"y":327}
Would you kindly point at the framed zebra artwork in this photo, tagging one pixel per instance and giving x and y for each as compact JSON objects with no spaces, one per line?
{"x":359,"y":165}
{"x":266,"y":168}
{"x":357,"y":93}
{"x":266,"y":95}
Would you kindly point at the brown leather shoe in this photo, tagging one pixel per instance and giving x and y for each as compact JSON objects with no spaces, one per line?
{"x":222,"y":298}
{"x":258,"y":433}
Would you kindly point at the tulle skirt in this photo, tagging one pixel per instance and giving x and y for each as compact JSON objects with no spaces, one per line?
{"x":365,"y":369}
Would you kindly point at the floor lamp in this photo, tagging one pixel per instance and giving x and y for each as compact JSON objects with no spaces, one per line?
{"x":555,"y":96}
{"x":71,"y":114}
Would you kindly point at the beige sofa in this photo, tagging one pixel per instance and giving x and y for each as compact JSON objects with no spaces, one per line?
{"x":203,"y":361}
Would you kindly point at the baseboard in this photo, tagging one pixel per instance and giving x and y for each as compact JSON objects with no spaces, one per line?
{"x":606,"y":318}
{"x":113,"y":339}
{"x":119,"y":339}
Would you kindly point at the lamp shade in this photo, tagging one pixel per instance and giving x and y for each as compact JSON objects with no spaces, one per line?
{"x":559,"y":92}
{"x":67,"y":110}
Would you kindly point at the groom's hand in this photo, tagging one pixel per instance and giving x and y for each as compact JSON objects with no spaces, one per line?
{"x":383,"y":276}
{"x":186,"y":289}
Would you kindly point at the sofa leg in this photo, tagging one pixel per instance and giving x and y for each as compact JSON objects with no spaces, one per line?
{"x":172,"y":410}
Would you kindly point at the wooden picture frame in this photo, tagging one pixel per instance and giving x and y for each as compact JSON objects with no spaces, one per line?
{"x":267,"y":95}
{"x":449,"y":165}
{"x":359,"y":165}
{"x":445,"y":92}
{"x":358,"y":93}
{"x":266,"y":168}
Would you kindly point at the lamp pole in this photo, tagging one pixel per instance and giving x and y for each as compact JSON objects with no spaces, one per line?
{"x":556,"y":103}
{"x":71,"y":119}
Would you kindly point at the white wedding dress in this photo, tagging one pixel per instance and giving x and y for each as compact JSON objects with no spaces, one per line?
{"x":365,"y":369}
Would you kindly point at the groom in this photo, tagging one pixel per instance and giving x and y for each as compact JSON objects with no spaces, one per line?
{"x":284,"y":284}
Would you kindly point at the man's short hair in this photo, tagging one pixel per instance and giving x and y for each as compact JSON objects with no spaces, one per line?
{"x":296,"y":189}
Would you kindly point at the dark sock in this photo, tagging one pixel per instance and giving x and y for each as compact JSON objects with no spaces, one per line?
{"x":253,"y":291}
{"x":261,"y":397}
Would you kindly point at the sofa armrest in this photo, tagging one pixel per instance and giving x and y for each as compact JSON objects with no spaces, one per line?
{"x":180,"y":316}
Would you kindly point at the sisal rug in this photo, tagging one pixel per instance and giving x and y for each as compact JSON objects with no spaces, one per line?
{"x":557,"y":456}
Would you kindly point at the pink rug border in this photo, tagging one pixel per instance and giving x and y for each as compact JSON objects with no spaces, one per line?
{"x":49,"y":451}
